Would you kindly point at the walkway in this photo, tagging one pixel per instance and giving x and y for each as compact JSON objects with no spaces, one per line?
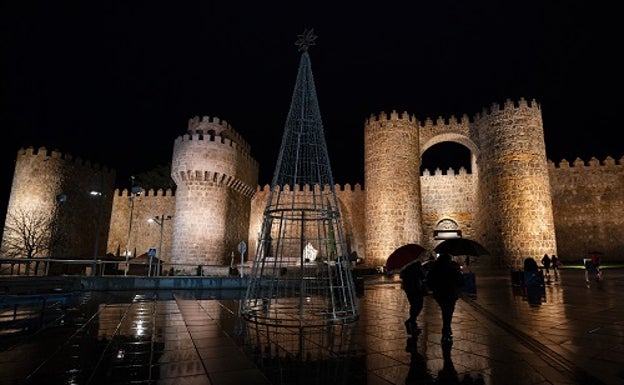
{"x":576,"y":336}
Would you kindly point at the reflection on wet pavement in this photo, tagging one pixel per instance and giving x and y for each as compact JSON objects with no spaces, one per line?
{"x":574,"y":336}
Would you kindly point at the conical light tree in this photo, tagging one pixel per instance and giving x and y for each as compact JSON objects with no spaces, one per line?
{"x":301,"y":275}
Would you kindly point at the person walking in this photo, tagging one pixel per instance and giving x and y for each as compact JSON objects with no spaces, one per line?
{"x":546,"y":262}
{"x":533,"y":282}
{"x":413,"y":284}
{"x":445,"y":281}
{"x":592,"y":268}
{"x":555,"y":264}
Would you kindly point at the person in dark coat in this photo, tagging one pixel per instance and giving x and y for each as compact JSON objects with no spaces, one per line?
{"x":413,"y":284}
{"x":445,"y":281}
{"x":595,"y":260}
{"x":555,"y":265}
{"x":533,"y":282}
{"x":546,"y":262}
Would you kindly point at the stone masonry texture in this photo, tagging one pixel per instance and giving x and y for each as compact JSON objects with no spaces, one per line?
{"x":514,"y":201}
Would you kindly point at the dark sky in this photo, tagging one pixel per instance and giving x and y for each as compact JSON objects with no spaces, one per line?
{"x":115,"y":82}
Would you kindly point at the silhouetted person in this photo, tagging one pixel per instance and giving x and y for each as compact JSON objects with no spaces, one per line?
{"x":546,"y":262}
{"x":595,"y":260}
{"x":592,"y":268}
{"x":413,"y":284}
{"x":445,"y":281}
{"x":555,"y":264}
{"x":533,"y":281}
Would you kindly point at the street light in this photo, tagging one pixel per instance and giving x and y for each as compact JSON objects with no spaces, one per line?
{"x":160,"y":221}
{"x":134,"y":191}
{"x":97,"y":230}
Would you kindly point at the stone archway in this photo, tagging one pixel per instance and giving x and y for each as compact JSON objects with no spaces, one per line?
{"x":460,"y":139}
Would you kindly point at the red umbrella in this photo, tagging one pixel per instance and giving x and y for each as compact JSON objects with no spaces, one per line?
{"x":403,"y":256}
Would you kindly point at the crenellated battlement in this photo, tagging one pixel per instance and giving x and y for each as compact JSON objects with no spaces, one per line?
{"x":216,"y":127}
{"x":207,"y":123}
{"x":43,"y":154}
{"x":211,"y":139}
{"x":147,"y":193}
{"x":394,"y":116}
{"x":346,"y":187}
{"x":593,"y":163}
{"x":452,"y":122}
{"x":217,"y":179}
{"x":441,"y":124}
{"x":449,"y":172}
{"x":508,"y":105}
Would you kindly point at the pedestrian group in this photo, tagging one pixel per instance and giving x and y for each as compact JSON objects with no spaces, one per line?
{"x":445,"y":280}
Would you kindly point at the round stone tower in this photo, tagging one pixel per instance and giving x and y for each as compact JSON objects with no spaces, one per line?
{"x":516,"y":211}
{"x":66,"y":199}
{"x":216,"y":178}
{"x":392,"y":182}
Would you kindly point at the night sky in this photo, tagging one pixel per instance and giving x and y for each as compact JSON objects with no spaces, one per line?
{"x":115,"y":82}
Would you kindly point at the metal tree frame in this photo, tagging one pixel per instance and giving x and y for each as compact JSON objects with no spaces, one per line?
{"x":301,"y":275}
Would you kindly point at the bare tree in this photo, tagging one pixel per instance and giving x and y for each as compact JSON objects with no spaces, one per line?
{"x":29,"y":234}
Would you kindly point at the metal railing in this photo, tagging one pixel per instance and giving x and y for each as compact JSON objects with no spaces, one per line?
{"x":43,"y":267}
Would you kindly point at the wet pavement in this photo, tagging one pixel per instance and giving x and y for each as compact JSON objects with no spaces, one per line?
{"x":575,"y":335}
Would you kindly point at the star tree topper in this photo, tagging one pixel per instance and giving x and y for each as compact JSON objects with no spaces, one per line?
{"x":306,"y":39}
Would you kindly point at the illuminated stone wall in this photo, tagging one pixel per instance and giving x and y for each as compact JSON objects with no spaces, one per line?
{"x":448,"y":197}
{"x":512,"y":208}
{"x":41,"y":178}
{"x":144,"y":234}
{"x":351,"y":201}
{"x":588,"y":202}
{"x":515,"y":214}
{"x":215,"y":177}
{"x":392,"y":181}
{"x":514,"y":202}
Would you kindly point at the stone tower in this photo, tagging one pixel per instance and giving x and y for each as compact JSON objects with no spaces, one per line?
{"x":216,"y":178}
{"x":73,"y":194}
{"x":515,"y":201}
{"x":392,"y":180}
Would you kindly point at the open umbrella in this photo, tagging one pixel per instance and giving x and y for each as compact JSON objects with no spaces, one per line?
{"x":403,"y":256}
{"x":461,"y":246}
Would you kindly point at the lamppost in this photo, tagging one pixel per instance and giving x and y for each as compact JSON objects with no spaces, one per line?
{"x":97,"y":230}
{"x":160,"y":221}
{"x":134,"y":191}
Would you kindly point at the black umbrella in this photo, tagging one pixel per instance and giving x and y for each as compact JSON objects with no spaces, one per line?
{"x":461,"y":246}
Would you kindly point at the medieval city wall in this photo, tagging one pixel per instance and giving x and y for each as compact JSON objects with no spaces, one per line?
{"x":351,"y":202}
{"x":515,"y":202}
{"x":449,"y":196}
{"x":145,"y":233}
{"x":515,"y":218}
{"x":216,"y":178}
{"x":50,"y":184}
{"x":588,"y":202}
{"x":392,"y":180}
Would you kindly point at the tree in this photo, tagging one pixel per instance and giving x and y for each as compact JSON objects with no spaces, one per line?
{"x":30,"y":234}
{"x":158,"y":177}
